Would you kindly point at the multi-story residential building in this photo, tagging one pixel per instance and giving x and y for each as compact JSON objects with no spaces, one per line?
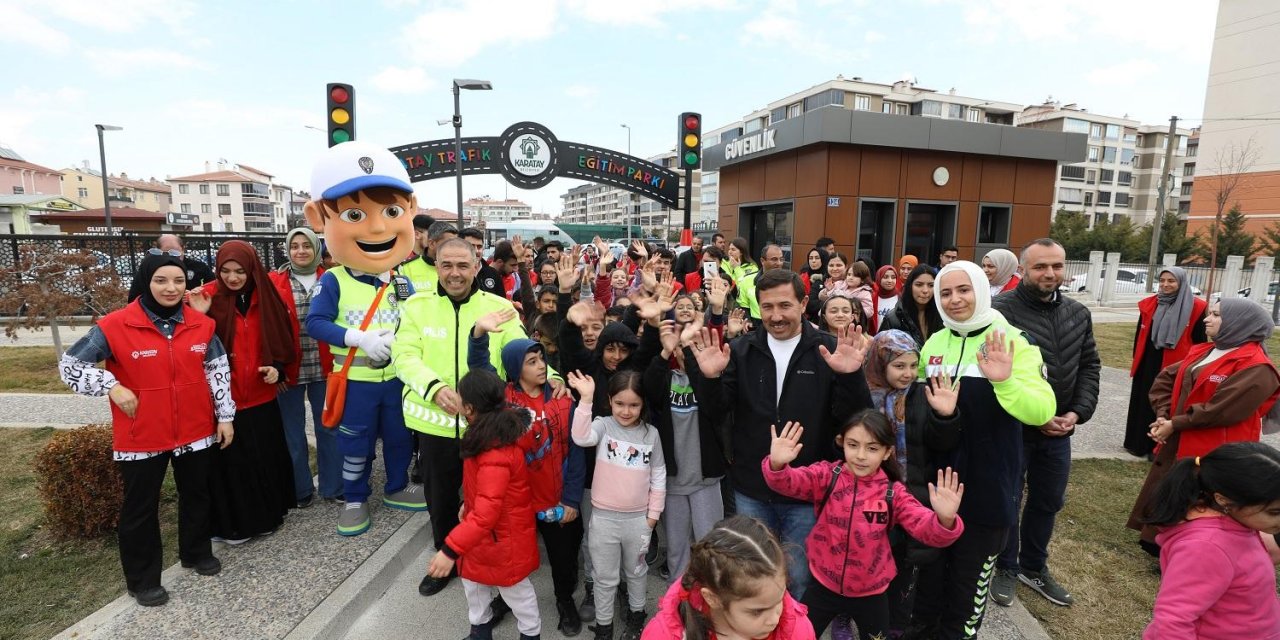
{"x":1188,"y":174}
{"x":19,"y":177}
{"x":490,"y":210}
{"x":1120,"y":175}
{"x":83,"y":186}
{"x":237,"y":199}
{"x":903,"y":98}
{"x":1240,"y":101}
{"x":1148,"y":165}
{"x":594,"y":203}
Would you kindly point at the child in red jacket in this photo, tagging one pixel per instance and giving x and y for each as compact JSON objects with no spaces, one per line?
{"x":493,"y":545}
{"x":858,"y":501}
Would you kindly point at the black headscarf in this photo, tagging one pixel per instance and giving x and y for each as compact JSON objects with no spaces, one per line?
{"x":142,"y":283}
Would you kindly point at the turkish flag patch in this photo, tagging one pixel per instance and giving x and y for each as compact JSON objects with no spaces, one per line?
{"x":935,"y":360}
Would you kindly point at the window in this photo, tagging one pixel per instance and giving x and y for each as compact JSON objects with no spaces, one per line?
{"x":1192,"y":150}
{"x":17,"y":191}
{"x":975,"y":115}
{"x":1073,"y":172}
{"x":1109,"y":155}
{"x":1189,"y":169}
{"x":1094,"y":153}
{"x":832,"y":96}
{"x":1091,"y":177}
{"x":930,"y":108}
{"x":1075,"y":125}
{"x":1131,"y":138}
{"x":1104,"y":197}
{"x":955,"y":111}
{"x":993,"y":225}
{"x":224,"y":209}
{"x":1095,"y":131}
{"x":861,"y":103}
{"x":1088,"y":199}
{"x":79,"y":178}
{"x":1137,"y":142}
{"x":206,"y":208}
{"x":1186,"y":188}
{"x":1113,"y":132}
{"x":82,"y":192}
{"x":186,"y":208}
{"x":1122,"y":199}
{"x":1124,"y":178}
{"x":778,"y":115}
{"x":204,"y":189}
{"x":1070,"y":195}
{"x":902,"y":109}
{"x":1126,"y":157}
{"x":795,"y":110}
{"x":1184,"y":208}
{"x":886,"y":107}
{"x":753,"y":125}
{"x":1107,"y":177}
{"x":224,"y":189}
{"x":184,"y":189}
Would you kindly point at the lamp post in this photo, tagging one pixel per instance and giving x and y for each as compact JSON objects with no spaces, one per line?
{"x":102,"y":157}
{"x":626,"y":215}
{"x":458,"y":86}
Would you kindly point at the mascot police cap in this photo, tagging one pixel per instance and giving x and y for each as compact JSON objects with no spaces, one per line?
{"x":355,"y":166}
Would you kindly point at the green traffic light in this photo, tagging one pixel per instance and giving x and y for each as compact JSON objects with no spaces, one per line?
{"x":691,"y":158}
{"x":340,"y":135}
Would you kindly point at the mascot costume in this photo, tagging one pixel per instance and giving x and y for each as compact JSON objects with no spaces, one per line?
{"x":363,"y":204}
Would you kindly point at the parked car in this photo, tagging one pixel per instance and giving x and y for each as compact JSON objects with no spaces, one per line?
{"x":1244,"y":293}
{"x":1127,"y":281}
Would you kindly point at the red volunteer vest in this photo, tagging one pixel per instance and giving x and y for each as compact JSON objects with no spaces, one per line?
{"x":174,"y":403}
{"x":1147,"y":309}
{"x":1198,"y":442}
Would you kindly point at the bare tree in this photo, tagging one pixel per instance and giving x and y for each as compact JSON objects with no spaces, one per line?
{"x":50,"y":283}
{"x":1230,"y":166}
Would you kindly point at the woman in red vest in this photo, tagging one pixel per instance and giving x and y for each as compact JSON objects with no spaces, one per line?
{"x":253,"y":478}
{"x":1217,"y":394}
{"x":1168,"y":324}
{"x":166,"y":375}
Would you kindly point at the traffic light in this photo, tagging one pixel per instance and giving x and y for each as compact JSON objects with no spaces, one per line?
{"x":342,"y":113}
{"x":690,"y":143}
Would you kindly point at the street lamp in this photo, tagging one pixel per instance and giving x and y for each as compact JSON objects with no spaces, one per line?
{"x":626,"y":218}
{"x":458,"y":85}
{"x":102,"y":156}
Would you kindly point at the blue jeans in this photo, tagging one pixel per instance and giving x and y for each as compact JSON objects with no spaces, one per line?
{"x":373,"y":411}
{"x":792,"y":523}
{"x":1046,"y":465}
{"x":328,"y":462}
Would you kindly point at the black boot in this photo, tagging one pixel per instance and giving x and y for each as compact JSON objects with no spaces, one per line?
{"x":603,"y":631}
{"x":588,"y":609}
{"x":634,"y":625}
{"x":524,"y":637}
{"x":500,"y":609}
{"x":570,"y":624}
{"x":481,"y":631}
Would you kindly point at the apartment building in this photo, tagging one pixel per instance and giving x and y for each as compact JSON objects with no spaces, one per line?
{"x":83,"y":186}
{"x":606,"y":204}
{"x":490,"y":210}
{"x":236,"y":198}
{"x":1188,"y":173}
{"x":19,"y":177}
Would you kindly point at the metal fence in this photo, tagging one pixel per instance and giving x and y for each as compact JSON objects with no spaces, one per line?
{"x":1131,"y":281}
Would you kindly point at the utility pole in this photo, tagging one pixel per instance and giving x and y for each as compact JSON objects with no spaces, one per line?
{"x":1171,"y":141}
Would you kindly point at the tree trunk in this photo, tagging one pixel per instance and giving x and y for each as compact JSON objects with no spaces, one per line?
{"x":57,"y":337}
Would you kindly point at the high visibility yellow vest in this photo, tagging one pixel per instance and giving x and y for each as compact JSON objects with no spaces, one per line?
{"x":354,"y":298}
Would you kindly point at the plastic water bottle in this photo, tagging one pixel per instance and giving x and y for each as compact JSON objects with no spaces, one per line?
{"x":554,"y":514}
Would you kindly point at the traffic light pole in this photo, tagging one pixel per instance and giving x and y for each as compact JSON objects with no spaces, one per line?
{"x":688,"y":203}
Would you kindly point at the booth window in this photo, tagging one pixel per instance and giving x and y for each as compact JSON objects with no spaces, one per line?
{"x":993,"y":224}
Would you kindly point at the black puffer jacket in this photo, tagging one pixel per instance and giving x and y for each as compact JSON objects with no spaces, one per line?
{"x":906,"y":321}
{"x":1063,"y":329}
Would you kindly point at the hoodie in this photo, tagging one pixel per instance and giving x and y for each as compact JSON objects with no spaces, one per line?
{"x":1217,"y":581}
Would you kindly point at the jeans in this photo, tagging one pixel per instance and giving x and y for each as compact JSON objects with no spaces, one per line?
{"x":328,"y":462}
{"x":792,"y":523}
{"x":1046,"y":465}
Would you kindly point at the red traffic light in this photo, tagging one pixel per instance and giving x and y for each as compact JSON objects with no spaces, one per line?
{"x":691,"y":122}
{"x":339,"y":95}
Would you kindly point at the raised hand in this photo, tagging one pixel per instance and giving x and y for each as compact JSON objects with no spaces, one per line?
{"x":584,"y":312}
{"x":737,"y":322}
{"x":639,"y":249}
{"x":850,"y":353}
{"x":603,"y":250}
{"x":712,"y":355}
{"x":945,"y":496}
{"x":691,"y":330}
{"x":567,"y":272}
{"x":717,"y":291}
{"x":648,"y":279}
{"x":669,"y":337}
{"x":584,"y":385}
{"x":517,"y":247}
{"x":199,"y":300}
{"x":492,"y":322}
{"x":995,"y":359}
{"x":942,"y":394}
{"x":784,"y":448}
{"x":647,"y":306}
{"x":667,"y":291}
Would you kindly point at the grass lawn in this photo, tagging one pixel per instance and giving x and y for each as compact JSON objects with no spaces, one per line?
{"x":49,"y":585}
{"x":30,"y":370}
{"x":1115,"y":344}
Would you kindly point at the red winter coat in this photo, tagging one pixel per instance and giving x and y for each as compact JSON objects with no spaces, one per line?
{"x":284,"y":287}
{"x":175,"y":407}
{"x":1198,"y":442}
{"x":495,"y":543}
{"x":1147,"y":310}
{"x":248,"y":388}
{"x":545,"y":445}
{"x":793,"y":622}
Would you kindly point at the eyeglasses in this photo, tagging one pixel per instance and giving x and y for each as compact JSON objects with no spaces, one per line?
{"x":171,"y":252}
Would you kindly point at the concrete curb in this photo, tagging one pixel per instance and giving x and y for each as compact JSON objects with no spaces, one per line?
{"x":86,"y":627}
{"x":333,"y":617}
{"x":1028,"y":625}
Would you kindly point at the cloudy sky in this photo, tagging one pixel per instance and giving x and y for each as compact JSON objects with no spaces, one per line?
{"x":192,"y":82}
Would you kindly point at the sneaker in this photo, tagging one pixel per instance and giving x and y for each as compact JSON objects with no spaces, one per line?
{"x":841,"y":629}
{"x":303,"y":503}
{"x":1004,"y":586}
{"x":570,"y":623}
{"x":1045,"y":585}
{"x":335,"y":500}
{"x":410,"y":498}
{"x":354,"y":519}
{"x":634,"y":625}
{"x":587,"y":611}
{"x":481,"y":631}
{"x":603,"y":632}
{"x":431,"y":586}
{"x":207,"y":567}
{"x":231,"y":541}
{"x":153,"y":597}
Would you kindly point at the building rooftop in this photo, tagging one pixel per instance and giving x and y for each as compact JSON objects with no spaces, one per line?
{"x":216,"y":176}
{"x":117,"y":213}
{"x":30,"y":198}
{"x":23,"y":164}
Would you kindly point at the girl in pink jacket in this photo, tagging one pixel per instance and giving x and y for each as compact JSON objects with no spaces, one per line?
{"x":1217,"y":580}
{"x":735,"y":586}
{"x":858,"y":501}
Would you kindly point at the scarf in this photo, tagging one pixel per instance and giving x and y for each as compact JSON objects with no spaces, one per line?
{"x":1006,"y":265}
{"x":822,"y":270}
{"x":1243,"y":321}
{"x":902,"y":273}
{"x":276,"y":344}
{"x":891,"y":402}
{"x":142,"y":283}
{"x":310,"y":235}
{"x":881,"y":292}
{"x":983,"y":314}
{"x":1173,"y":311}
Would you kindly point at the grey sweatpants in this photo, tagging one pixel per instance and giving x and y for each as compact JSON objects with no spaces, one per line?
{"x":686,"y":519}
{"x":618,"y":538}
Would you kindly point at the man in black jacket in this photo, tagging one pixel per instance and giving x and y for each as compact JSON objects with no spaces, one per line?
{"x":1063,"y":329}
{"x":689,"y":261}
{"x":788,"y":372}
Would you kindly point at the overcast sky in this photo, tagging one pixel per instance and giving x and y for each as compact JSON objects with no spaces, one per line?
{"x":192,"y":82}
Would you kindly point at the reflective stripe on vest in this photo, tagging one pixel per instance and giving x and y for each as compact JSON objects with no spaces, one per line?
{"x":354,"y":298}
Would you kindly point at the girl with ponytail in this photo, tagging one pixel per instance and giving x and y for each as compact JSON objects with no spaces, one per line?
{"x":1217,"y":580}
{"x":735,"y":587}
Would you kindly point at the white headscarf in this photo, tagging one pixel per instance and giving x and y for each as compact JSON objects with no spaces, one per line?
{"x":983,"y":314}
{"x":1006,"y":265}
